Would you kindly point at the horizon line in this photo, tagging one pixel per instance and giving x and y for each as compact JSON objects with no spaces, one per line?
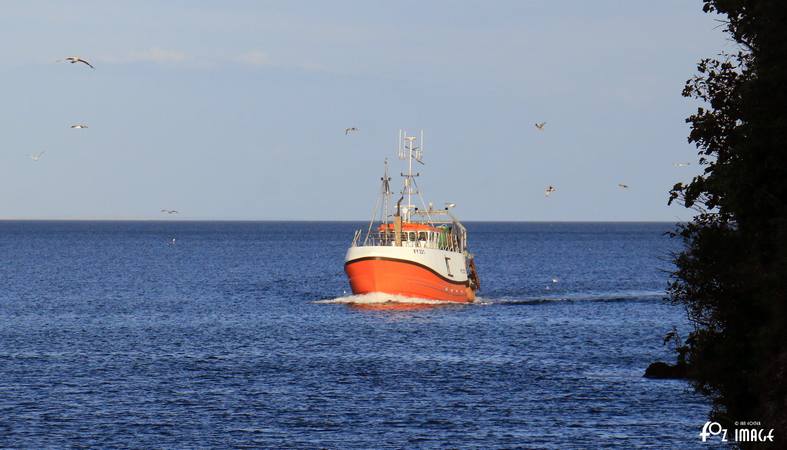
{"x":138,"y":219}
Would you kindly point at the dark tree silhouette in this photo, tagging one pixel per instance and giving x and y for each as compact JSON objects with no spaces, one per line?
{"x":732,"y":275}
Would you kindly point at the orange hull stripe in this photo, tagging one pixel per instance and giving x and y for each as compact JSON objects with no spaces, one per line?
{"x":399,"y":277}
{"x":413,"y":263}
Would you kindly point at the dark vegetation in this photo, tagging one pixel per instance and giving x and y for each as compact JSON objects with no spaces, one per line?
{"x":680,"y":369}
{"x":731,"y":276}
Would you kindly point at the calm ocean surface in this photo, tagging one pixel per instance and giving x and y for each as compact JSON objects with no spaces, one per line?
{"x":240,"y":334}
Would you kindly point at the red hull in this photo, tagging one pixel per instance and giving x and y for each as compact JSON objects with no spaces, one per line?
{"x":401,"y":277}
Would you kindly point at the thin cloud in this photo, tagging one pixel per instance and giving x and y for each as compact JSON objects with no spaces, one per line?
{"x":153,"y":55}
{"x":159,"y":55}
{"x":258,"y":58}
{"x":254,"y":58}
{"x":251,"y":58}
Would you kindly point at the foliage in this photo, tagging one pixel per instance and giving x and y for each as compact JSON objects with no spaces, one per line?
{"x":732,"y":275}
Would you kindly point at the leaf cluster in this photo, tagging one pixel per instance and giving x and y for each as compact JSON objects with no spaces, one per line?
{"x":731,"y":276}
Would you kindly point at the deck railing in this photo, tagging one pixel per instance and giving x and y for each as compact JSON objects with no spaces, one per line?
{"x":441,"y":241}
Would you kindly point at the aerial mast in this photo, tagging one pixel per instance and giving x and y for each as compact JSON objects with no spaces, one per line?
{"x":408,"y":150}
{"x":386,"y":194}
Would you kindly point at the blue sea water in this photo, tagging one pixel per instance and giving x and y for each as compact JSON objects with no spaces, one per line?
{"x":243,"y":334}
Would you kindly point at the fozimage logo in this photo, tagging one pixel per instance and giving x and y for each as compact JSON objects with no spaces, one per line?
{"x":746,"y":431}
{"x":713,"y":429}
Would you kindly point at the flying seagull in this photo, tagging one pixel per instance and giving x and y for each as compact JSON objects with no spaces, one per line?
{"x":79,"y":125}
{"x":550,"y":189}
{"x":76,"y":59}
{"x":540,"y":125}
{"x":38,"y":156}
{"x":623,"y":186}
{"x":348,"y":130}
{"x":684,"y":164}
{"x":169,"y":211}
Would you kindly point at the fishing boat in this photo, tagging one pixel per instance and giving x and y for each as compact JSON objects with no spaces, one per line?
{"x":408,"y":250}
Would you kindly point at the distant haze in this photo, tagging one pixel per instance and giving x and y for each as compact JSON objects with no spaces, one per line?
{"x":237,"y":110}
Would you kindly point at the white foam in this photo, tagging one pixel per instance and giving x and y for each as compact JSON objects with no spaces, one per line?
{"x":379,"y":298}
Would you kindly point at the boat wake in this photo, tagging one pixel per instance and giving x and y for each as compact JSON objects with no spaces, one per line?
{"x":624,"y":296}
{"x":379,"y":300}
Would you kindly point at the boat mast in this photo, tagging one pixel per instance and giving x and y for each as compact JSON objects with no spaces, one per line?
{"x":408,"y":150}
{"x":382,"y":204}
{"x":386,"y":194}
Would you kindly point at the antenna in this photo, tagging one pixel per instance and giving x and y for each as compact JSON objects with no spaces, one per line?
{"x":408,"y":150}
{"x":407,"y":147}
{"x":400,"y":148}
{"x":420,"y":149}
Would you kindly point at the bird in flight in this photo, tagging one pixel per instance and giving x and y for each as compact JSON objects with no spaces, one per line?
{"x":540,"y":125}
{"x":169,"y":211}
{"x":683,"y":164}
{"x":76,"y":59}
{"x":79,"y":125}
{"x":349,"y":130}
{"x":623,"y":186}
{"x":550,"y":189}
{"x":38,"y":156}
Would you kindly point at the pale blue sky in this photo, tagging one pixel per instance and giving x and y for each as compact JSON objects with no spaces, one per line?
{"x":236,"y":109}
